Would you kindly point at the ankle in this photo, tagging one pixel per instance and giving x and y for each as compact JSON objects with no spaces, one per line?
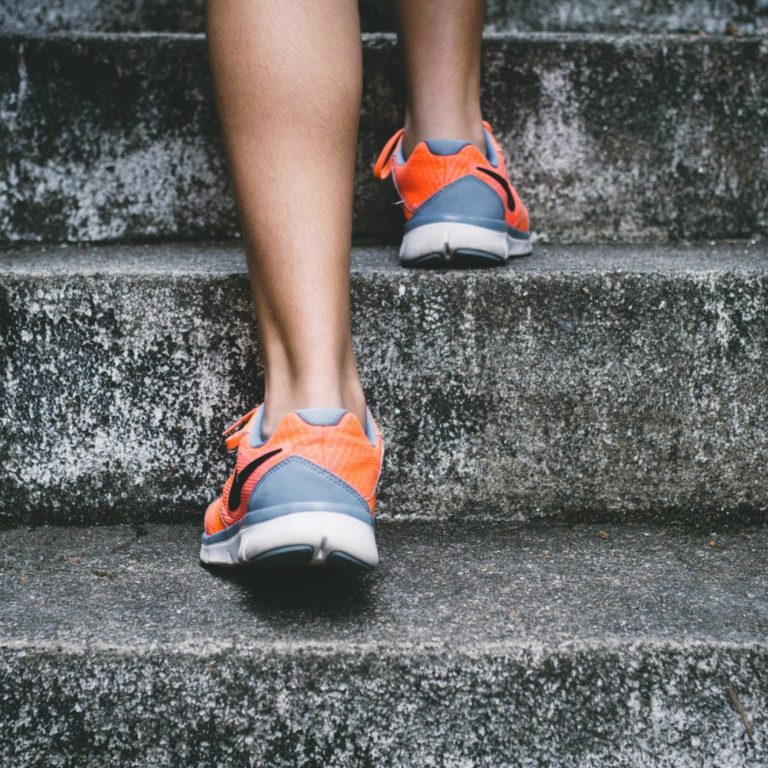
{"x":456,"y":125}
{"x":290,"y":396}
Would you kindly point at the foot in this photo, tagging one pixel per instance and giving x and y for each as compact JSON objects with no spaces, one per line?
{"x":304,"y":496}
{"x":459,"y":206}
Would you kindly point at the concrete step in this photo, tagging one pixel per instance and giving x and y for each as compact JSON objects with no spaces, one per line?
{"x":630,"y":138}
{"x":586,"y":382}
{"x":522,"y":15}
{"x":471,"y":645}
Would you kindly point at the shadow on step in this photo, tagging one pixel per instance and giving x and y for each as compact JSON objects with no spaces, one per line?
{"x":313,"y":594}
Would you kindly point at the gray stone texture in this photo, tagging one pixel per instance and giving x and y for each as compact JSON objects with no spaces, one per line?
{"x":472,"y":645}
{"x":587,"y":385}
{"x":628,"y":138}
{"x":376,"y":16}
{"x":648,"y":16}
{"x":614,"y":382}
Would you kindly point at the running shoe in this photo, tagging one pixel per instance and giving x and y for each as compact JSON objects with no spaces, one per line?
{"x":304,"y":496}
{"x":459,"y":206}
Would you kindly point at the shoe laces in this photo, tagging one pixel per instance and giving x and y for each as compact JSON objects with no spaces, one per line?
{"x":233,"y":434}
{"x":383,"y":167}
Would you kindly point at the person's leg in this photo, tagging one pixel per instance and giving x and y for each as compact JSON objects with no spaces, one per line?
{"x":442,"y":46}
{"x":288,"y":80}
{"x":449,"y":172}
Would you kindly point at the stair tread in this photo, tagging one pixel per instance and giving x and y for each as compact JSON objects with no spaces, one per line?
{"x":370,"y":38}
{"x":527,"y":14}
{"x":472,"y":645}
{"x":469,"y":587}
{"x":226,"y":258}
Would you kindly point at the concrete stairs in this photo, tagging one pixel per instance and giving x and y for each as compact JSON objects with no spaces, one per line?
{"x":687,"y":16}
{"x":573,"y":509}
{"x":588,"y":381}
{"x":629,"y":137}
{"x":472,"y":645}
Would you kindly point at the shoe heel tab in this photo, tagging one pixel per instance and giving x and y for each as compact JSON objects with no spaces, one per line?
{"x":321,"y":417}
{"x":446,"y":147}
{"x":332,"y":417}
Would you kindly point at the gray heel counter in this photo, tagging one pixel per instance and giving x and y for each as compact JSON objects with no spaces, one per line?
{"x":466,"y":199}
{"x":297,"y":480}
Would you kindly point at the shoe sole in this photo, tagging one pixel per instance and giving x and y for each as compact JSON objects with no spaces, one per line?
{"x":300,"y":539}
{"x":453,"y":244}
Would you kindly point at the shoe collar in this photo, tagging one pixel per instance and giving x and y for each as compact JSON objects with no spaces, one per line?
{"x":393,"y":149}
{"x":319,"y":417}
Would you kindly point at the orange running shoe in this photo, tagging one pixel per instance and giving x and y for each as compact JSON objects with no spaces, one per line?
{"x":305,"y":496}
{"x":460,"y":208}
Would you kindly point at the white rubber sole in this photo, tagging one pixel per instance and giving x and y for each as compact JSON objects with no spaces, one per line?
{"x":318,"y":538}
{"x":446,"y":239}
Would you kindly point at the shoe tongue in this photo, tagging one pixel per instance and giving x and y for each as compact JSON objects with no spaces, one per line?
{"x":444,"y":147}
{"x":255,"y":437}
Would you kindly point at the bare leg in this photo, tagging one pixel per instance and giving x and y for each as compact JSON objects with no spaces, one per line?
{"x":442,"y":45}
{"x":288,"y":80}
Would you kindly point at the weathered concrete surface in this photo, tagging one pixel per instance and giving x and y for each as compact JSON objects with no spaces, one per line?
{"x":613,"y":382}
{"x":376,"y":15}
{"x":102,"y":16}
{"x":482,"y":646}
{"x":629,"y":138}
{"x":712,"y":16}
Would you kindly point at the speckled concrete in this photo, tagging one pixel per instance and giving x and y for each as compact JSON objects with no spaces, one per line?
{"x":588,"y":383}
{"x":471,"y":646}
{"x":630,"y":138}
{"x":628,"y":15}
{"x":376,"y":16}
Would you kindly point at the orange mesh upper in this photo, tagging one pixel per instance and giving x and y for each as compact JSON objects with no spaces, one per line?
{"x":344,"y":450}
{"x":423,"y":174}
{"x":213,"y":521}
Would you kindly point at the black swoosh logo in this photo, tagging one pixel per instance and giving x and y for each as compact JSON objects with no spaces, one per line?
{"x":233,"y":500}
{"x":504,"y":183}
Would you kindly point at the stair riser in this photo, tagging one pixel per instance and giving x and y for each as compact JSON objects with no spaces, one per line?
{"x":633,"y":707}
{"x":522,"y":394}
{"x":626,"y":138}
{"x":524,"y":15}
